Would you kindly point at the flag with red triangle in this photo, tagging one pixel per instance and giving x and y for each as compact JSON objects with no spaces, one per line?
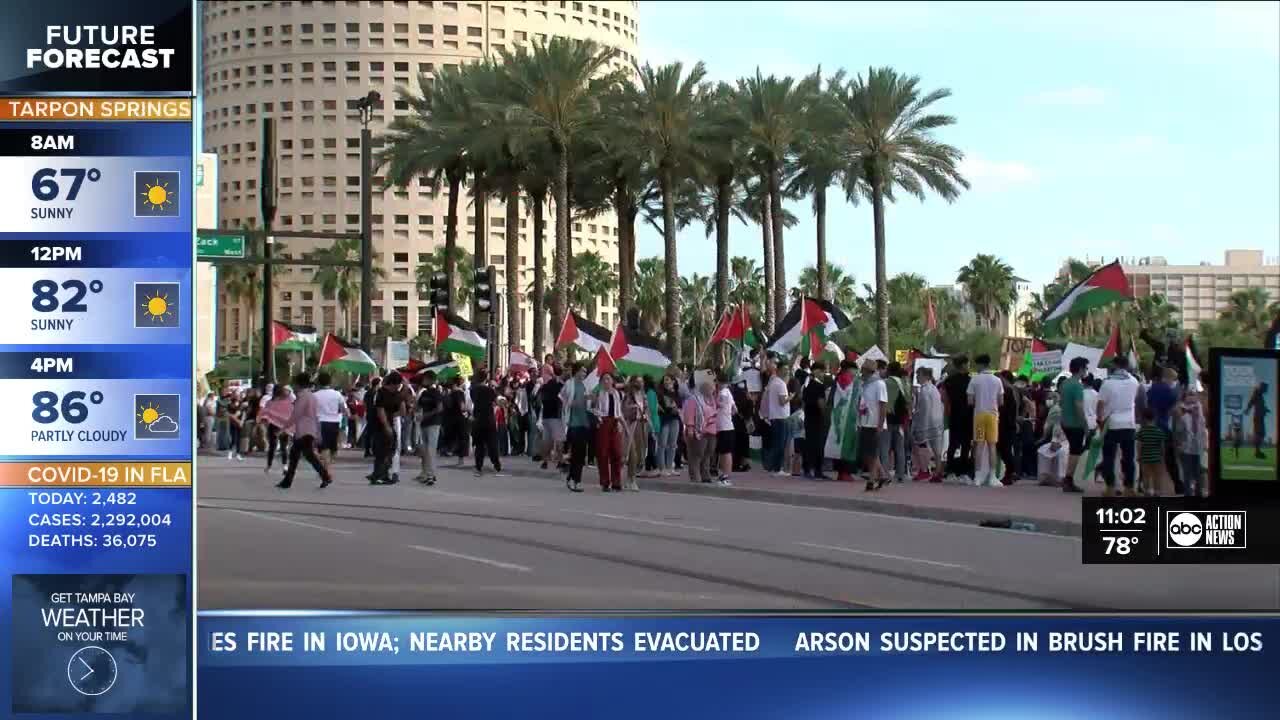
{"x":338,"y":354}
{"x":285,"y":336}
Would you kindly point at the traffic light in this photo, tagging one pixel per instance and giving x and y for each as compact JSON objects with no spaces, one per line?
{"x":440,"y":291}
{"x":485,"y":295}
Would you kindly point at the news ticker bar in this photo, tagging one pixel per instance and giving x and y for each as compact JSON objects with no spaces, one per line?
{"x":1180,"y":531}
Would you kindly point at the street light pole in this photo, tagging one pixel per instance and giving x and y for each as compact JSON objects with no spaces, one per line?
{"x":366,"y":106}
{"x":267,"y":204}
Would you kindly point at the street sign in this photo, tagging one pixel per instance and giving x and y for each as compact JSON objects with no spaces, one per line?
{"x":220,"y":246}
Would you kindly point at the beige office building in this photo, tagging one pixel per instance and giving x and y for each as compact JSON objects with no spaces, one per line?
{"x":1201,"y":291}
{"x":304,"y":63}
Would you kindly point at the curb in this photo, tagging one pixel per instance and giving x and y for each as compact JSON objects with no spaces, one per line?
{"x":939,"y":514}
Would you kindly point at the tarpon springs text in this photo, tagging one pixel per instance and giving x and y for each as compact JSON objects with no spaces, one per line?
{"x":727,"y":643}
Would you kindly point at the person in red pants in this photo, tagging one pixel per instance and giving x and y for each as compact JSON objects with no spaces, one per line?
{"x":608,"y":407}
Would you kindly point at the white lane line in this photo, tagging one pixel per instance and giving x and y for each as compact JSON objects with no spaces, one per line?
{"x":886,"y":556}
{"x":473,"y":558}
{"x":647,"y":521}
{"x":291,"y":522}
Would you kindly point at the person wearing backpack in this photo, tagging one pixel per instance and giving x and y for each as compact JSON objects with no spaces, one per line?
{"x":891,"y":441}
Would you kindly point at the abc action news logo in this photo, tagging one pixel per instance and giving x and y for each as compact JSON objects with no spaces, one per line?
{"x":1206,"y":530}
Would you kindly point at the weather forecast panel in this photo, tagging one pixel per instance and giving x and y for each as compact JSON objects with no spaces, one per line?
{"x":96,"y":253}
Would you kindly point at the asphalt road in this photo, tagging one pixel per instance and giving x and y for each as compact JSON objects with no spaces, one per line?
{"x":524,"y":542}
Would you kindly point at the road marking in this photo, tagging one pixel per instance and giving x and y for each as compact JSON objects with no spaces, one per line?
{"x":886,"y":556}
{"x":473,"y":558}
{"x":291,"y":522}
{"x":647,"y":521}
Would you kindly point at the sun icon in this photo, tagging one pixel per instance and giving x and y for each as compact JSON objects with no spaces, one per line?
{"x":157,"y":195}
{"x":148,"y":414}
{"x":157,"y":307}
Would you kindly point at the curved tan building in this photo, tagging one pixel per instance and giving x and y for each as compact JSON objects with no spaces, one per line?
{"x":304,"y":63}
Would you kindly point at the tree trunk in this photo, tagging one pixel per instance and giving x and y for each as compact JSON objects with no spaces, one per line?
{"x":560,"y":299}
{"x":779,"y":247}
{"x":570,"y":280}
{"x":512,"y":235}
{"x":480,"y":253}
{"x":724,"y":198}
{"x":882,"y":281}
{"x":820,"y":217}
{"x":451,"y":237}
{"x":766,"y":233}
{"x":671,"y":304}
{"x":626,"y":251}
{"x":539,"y":276}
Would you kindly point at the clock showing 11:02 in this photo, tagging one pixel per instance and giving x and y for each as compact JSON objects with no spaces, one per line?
{"x":91,"y":670}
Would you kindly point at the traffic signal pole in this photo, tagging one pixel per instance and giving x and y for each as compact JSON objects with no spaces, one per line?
{"x":267,"y":204}
{"x":366,"y":238}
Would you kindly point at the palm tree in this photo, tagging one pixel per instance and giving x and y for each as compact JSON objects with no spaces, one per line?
{"x":989,"y":283}
{"x":243,"y":284}
{"x":842,"y":290}
{"x":341,"y":282}
{"x":748,"y":283}
{"x":699,"y":311}
{"x":889,"y":145}
{"x":754,"y":203}
{"x":550,"y":92}
{"x":719,"y":138}
{"x":1249,"y":310}
{"x":593,"y":278}
{"x":774,"y":110}
{"x":1152,"y":315}
{"x":668,"y":104}
{"x":431,"y":143}
{"x":817,"y":162}
{"x":620,"y":164}
{"x":437,"y":261}
{"x":650,"y":288}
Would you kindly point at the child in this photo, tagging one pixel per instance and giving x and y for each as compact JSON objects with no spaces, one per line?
{"x":1188,"y":428}
{"x":1151,"y":438}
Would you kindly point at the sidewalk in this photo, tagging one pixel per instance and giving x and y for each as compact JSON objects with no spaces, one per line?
{"x":1049,"y":509}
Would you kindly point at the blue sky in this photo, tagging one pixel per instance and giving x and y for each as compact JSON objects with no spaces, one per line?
{"x":1099,"y":129}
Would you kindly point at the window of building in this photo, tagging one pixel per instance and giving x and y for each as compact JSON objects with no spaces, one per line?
{"x":375,"y":27}
{"x":475,"y":32}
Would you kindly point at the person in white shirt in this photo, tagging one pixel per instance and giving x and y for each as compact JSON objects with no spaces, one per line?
{"x":775,"y":407}
{"x":331,"y":407}
{"x":725,"y":410}
{"x":1117,"y":401}
{"x":986,"y":392}
{"x":873,"y":416}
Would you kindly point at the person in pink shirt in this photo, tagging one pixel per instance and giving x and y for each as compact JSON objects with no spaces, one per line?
{"x":275,"y":415}
{"x":304,"y":425}
{"x":700,"y":411}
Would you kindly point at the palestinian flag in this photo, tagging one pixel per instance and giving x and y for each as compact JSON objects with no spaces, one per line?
{"x":1193,"y":366}
{"x":455,"y":335}
{"x":444,"y":369}
{"x":1112,"y":348}
{"x":337,"y":354}
{"x":519,"y":361}
{"x":292,"y":337}
{"x":603,"y":365}
{"x":806,"y":327}
{"x":734,"y":327}
{"x":1108,"y":284}
{"x":582,"y":333}
{"x":412,"y":368}
{"x":636,"y":354}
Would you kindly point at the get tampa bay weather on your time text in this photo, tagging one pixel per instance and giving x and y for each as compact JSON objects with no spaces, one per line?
{"x":480,"y":359}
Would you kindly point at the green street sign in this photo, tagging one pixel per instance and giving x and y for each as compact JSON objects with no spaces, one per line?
{"x":220,"y":246}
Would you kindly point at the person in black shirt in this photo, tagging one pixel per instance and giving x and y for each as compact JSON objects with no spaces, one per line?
{"x":484,"y":430}
{"x":815,"y":421}
{"x":955,"y":394}
{"x":387,"y":404}
{"x":553,"y":429}
{"x":431,"y":409}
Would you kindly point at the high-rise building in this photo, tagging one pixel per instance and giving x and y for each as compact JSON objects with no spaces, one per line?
{"x":1202,"y":291}
{"x":305,"y":64}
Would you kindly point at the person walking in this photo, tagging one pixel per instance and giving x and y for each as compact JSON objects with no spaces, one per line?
{"x":776,"y":409}
{"x":608,"y":408}
{"x":985,"y":394}
{"x":700,"y":431}
{"x":873,"y":419}
{"x":1117,"y":401}
{"x":955,"y":398}
{"x":553,"y":426}
{"x":430,"y":412}
{"x":235,"y":424}
{"x":331,"y":408}
{"x":1074,"y":419}
{"x":484,"y":427}
{"x":304,"y":427}
{"x":927,"y":425}
{"x":815,"y":421}
{"x":386,"y":407}
{"x":575,"y":401}
{"x":275,"y":416}
{"x":635,"y":430}
{"x":1189,"y":434}
{"x":891,"y":441}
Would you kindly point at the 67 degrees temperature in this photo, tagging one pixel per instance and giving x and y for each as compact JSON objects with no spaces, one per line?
{"x":50,"y":184}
